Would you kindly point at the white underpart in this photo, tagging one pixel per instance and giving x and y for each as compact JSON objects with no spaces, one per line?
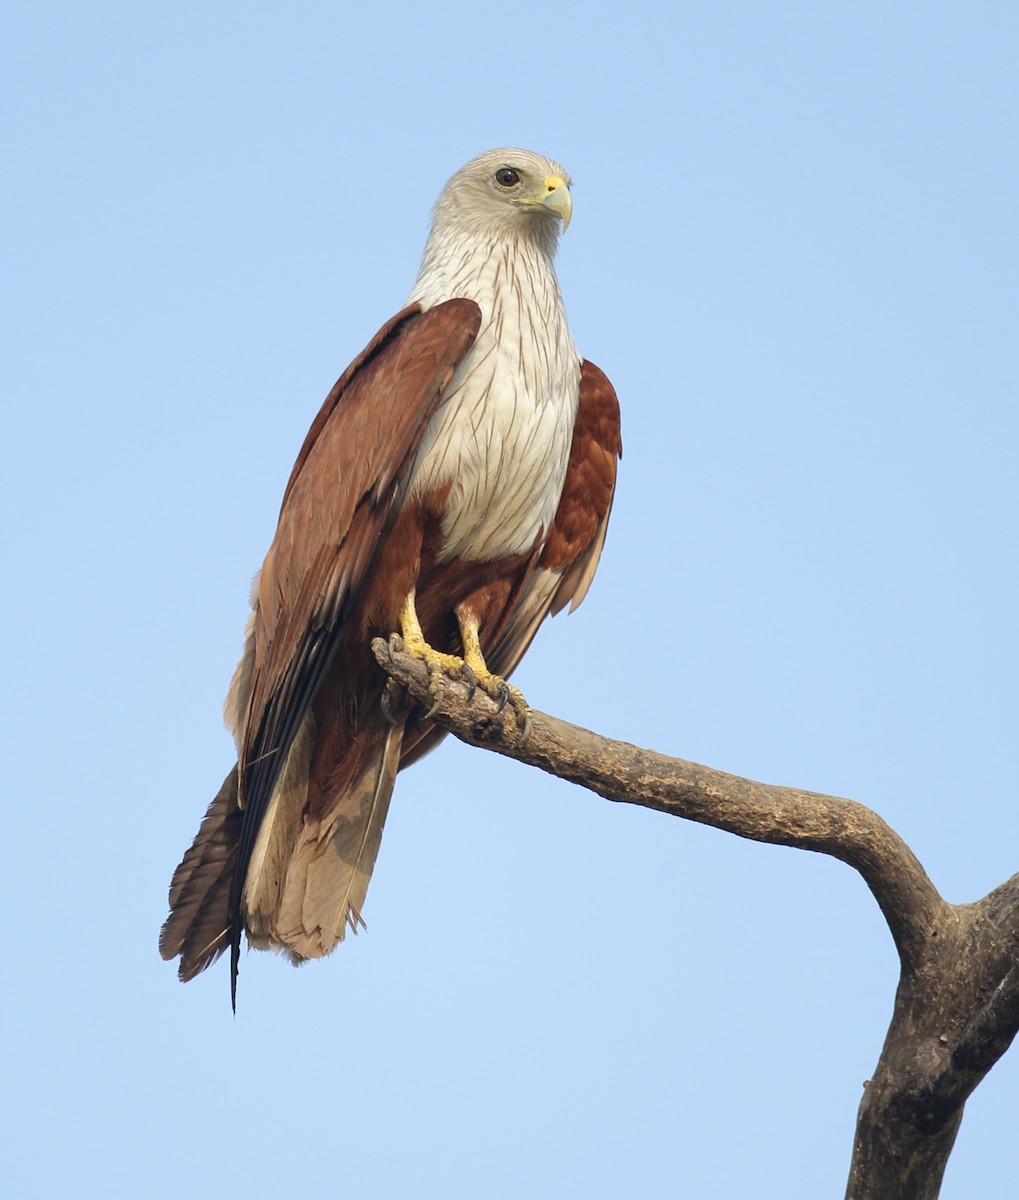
{"x":504,"y":429}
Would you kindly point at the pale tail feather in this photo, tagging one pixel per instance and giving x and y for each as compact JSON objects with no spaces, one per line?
{"x":328,"y":866}
{"x":277,"y":840}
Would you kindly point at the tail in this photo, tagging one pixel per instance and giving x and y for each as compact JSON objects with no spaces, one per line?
{"x":309,"y":871}
{"x":311,"y":866}
{"x":198,"y":927}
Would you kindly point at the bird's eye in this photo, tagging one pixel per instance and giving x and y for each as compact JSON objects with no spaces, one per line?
{"x":507,"y":177}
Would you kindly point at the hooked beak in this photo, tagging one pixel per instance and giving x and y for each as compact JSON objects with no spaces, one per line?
{"x":557,"y":198}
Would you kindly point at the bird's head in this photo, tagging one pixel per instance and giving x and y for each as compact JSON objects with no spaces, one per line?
{"x":508,"y":192}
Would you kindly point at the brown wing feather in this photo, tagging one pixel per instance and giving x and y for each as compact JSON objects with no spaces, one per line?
{"x":198,"y":928}
{"x":337,"y":509}
{"x":343,"y":494}
{"x":391,"y":329}
{"x":338,"y":506}
{"x":577,"y":535}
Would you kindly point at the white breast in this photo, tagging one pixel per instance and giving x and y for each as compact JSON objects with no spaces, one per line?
{"x":504,"y":429}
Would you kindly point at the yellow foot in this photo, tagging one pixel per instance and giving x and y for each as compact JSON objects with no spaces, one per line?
{"x":493,"y":685}
{"x":441,"y":666}
{"x":471,"y":670}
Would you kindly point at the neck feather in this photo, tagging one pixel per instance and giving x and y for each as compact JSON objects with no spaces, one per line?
{"x":480,"y":264}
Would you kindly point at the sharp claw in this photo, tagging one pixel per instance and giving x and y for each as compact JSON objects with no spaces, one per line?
{"x":525,"y":729}
{"x":471,"y":680}
{"x":435,"y":690}
{"x":504,"y":694}
{"x":388,"y":693}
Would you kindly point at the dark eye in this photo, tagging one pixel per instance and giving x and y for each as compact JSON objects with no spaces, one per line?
{"x":507,"y":177}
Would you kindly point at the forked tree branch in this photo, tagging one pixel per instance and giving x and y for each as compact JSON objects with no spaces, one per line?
{"x":957,"y":1005}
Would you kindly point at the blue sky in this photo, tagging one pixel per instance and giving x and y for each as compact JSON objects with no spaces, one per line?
{"x":794,"y":252}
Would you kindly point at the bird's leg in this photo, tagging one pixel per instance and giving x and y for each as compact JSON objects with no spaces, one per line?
{"x":471,"y":669}
{"x":493,"y":685}
{"x":440,"y":665}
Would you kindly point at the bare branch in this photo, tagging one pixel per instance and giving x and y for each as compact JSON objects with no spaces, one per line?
{"x":957,"y":1004}
{"x":758,"y":811}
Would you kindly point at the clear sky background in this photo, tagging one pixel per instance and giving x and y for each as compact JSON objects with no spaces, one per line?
{"x":794,"y":252}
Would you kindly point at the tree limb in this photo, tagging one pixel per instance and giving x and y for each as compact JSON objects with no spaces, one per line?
{"x":957,"y":1004}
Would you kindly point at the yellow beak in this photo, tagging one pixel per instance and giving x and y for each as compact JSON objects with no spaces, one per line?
{"x":557,"y":198}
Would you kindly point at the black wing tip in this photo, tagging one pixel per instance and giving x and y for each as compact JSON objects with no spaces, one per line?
{"x":235,"y":963}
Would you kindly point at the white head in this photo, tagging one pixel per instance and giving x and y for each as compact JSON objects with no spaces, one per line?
{"x":507,"y":194}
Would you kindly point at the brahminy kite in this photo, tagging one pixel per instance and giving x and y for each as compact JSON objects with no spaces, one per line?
{"x":454,"y":487}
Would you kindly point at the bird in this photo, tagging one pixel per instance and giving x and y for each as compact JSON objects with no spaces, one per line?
{"x":453,"y":490}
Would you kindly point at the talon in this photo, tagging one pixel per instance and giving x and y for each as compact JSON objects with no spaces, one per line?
{"x":392,"y":689}
{"x":435,"y":688}
{"x":503,"y":689}
{"x":521,"y":708}
{"x":471,"y":680}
